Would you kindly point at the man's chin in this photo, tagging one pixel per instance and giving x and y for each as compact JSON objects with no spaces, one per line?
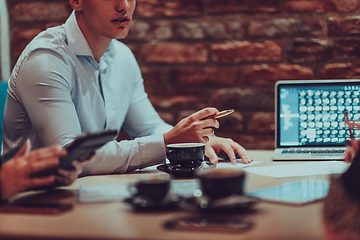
{"x":122,"y":35}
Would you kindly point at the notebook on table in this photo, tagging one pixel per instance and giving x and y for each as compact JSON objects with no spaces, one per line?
{"x":309,"y":118}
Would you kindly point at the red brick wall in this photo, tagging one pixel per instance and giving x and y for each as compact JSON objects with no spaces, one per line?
{"x":227,"y":54}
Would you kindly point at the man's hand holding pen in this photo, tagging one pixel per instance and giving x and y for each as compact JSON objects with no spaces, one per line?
{"x":221,"y":114}
{"x":199,"y":127}
{"x":196,"y":128}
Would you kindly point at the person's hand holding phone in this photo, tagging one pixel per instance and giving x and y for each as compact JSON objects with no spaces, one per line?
{"x":67,"y":177}
{"x":81,"y":149}
{"x":15,"y":174}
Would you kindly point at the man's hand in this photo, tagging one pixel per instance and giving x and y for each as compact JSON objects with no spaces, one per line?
{"x":196,"y":128}
{"x":216,"y":144}
{"x":15,"y":173}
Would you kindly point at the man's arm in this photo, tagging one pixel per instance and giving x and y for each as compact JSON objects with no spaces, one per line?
{"x":46,"y":96}
{"x":43,"y":88}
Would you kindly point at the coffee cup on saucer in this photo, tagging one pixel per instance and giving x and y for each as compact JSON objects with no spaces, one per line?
{"x":219,"y":183}
{"x":154,"y":188}
{"x":186,"y":154}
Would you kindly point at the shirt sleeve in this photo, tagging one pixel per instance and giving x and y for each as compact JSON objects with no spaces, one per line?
{"x":46,"y":96}
{"x":141,"y":118}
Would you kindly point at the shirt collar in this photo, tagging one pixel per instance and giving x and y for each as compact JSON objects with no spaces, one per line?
{"x":75,"y":38}
{"x":78,"y":44}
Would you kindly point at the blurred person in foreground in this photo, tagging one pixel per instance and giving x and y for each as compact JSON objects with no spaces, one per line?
{"x":341,"y":213}
{"x":15,"y":174}
{"x":77,"y":77}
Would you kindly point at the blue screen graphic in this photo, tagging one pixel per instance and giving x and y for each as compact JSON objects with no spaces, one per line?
{"x":314,"y":115}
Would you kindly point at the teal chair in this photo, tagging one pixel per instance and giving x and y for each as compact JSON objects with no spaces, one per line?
{"x":3,"y":95}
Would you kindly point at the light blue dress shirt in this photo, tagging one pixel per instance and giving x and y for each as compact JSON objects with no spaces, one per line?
{"x":57,"y":91}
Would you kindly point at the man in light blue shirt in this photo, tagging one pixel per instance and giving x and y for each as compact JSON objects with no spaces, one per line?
{"x":77,"y":77}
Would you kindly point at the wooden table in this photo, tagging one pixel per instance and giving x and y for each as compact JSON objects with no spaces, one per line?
{"x":116,"y":220}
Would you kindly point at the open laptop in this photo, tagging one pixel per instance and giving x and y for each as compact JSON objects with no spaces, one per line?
{"x":309,"y":118}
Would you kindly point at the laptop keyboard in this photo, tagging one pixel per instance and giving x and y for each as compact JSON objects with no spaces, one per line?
{"x":314,"y":151}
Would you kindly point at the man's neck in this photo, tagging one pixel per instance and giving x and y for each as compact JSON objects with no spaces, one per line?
{"x":97,"y":43}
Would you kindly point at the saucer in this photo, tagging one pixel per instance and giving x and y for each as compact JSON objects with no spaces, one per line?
{"x":183,"y":172}
{"x":231,"y":204}
{"x":144,"y":204}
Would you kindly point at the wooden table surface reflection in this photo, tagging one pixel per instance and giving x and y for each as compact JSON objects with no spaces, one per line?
{"x":116,"y":220}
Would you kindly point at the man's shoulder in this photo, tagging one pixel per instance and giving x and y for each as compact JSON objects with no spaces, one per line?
{"x":53,"y":39}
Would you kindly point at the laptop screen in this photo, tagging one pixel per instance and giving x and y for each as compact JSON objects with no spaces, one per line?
{"x":311,"y":112}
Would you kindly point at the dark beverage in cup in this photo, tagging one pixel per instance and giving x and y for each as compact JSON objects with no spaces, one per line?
{"x":153,"y":188}
{"x":219,"y":183}
{"x":186,"y":154}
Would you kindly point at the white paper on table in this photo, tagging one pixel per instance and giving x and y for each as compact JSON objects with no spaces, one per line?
{"x":301,"y":169}
{"x":104,"y":193}
{"x":118,"y":192}
{"x":149,"y":168}
{"x":185,"y":188}
{"x":237,"y":165}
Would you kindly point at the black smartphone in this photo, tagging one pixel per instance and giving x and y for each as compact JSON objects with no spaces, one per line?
{"x":81,"y":149}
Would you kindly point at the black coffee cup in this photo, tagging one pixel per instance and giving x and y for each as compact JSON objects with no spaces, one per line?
{"x":220,"y":183}
{"x":153,"y":188}
{"x":186,"y":154}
